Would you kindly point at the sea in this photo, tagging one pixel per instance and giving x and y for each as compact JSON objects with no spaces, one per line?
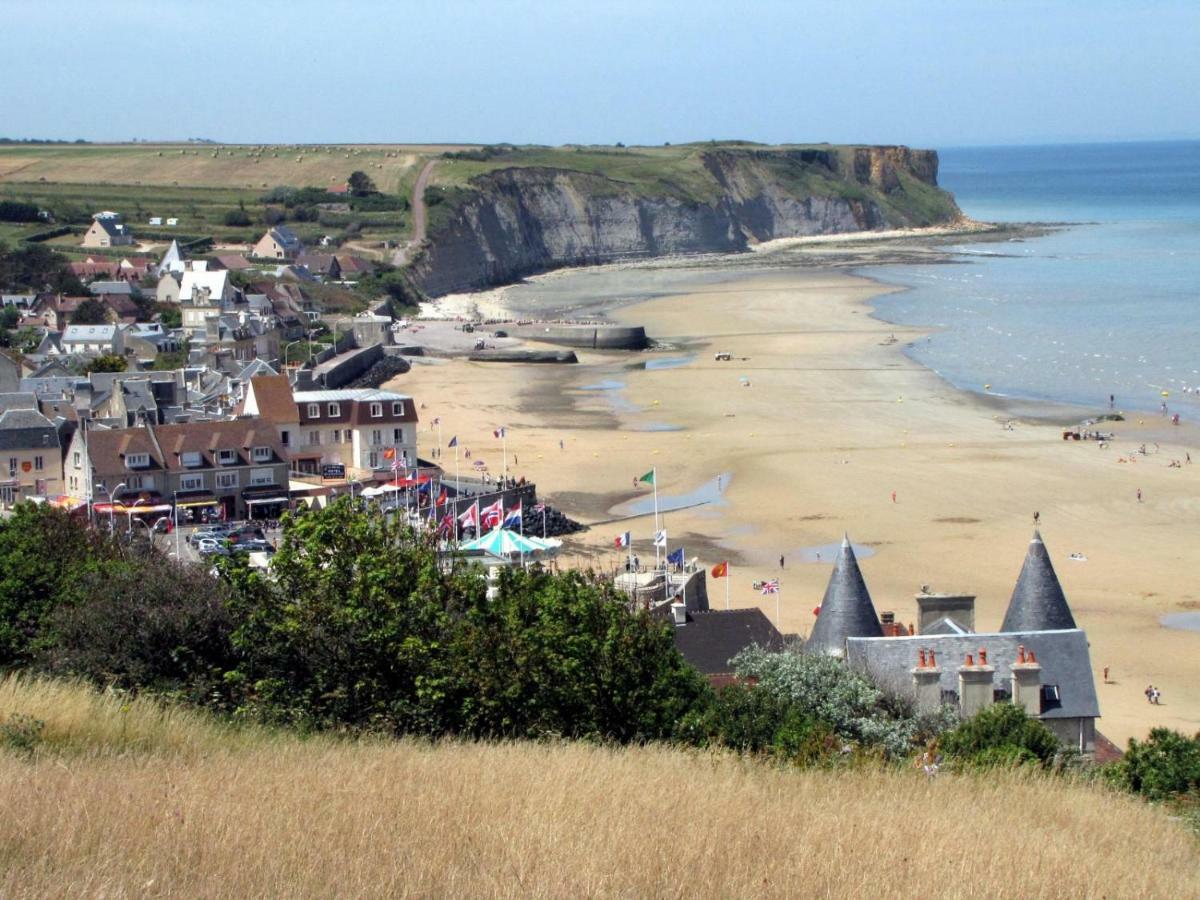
{"x":1107,"y":305}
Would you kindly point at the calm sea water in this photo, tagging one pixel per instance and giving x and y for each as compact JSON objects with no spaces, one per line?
{"x":1109,"y":306}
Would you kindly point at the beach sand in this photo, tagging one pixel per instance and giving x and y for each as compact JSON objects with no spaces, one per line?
{"x":811,"y":427}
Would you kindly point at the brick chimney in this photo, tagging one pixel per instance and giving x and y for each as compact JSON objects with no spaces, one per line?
{"x":975,"y":691}
{"x":1027,"y":682}
{"x":927,"y":681}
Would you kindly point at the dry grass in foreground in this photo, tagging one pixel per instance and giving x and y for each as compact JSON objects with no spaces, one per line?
{"x":273,"y":817}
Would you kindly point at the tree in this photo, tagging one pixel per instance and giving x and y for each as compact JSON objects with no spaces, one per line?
{"x":170,"y":315}
{"x":90,"y":312}
{"x":109,"y":362}
{"x":237,"y":218}
{"x":1001,"y":734}
{"x":360,"y":184}
{"x":1164,"y":766}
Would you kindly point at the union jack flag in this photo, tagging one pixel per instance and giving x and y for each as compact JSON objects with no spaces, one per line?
{"x":770,"y":587}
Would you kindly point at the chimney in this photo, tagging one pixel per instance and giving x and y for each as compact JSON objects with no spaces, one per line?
{"x":679,"y":613}
{"x":1027,"y":682}
{"x":975,"y":690}
{"x":959,"y":608}
{"x":927,"y":682}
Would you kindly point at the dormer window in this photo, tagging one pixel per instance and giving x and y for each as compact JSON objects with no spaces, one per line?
{"x":335,"y":410}
{"x":137,"y":460}
{"x":398,"y":408}
{"x":314,"y":410}
{"x":376,"y":410}
{"x":227,"y":457}
{"x":261,"y":454}
{"x":192,"y":459}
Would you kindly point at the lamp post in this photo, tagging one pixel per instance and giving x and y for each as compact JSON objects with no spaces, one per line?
{"x":178,"y":554}
{"x":129,"y":512}
{"x":287,"y":347}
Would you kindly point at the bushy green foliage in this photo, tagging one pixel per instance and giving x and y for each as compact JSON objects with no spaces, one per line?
{"x":1164,"y":766}
{"x":361,"y":625}
{"x":752,"y":720}
{"x":236,"y":218}
{"x":1001,"y":734}
{"x":828,"y":691}
{"x":34,"y":267}
{"x":108,"y":362}
{"x":15,"y":211}
{"x":90,"y":312}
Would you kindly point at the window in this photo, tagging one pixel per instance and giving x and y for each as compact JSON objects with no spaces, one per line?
{"x":284,"y":436}
{"x":398,"y":408}
{"x":227,"y":480}
{"x":335,"y":410}
{"x":99,"y":486}
{"x":336,"y":436}
{"x":12,"y":466}
{"x":192,"y":459}
{"x":133,"y":483}
{"x":191,"y":482}
{"x":376,"y":410}
{"x":376,"y":437}
{"x":137,"y":460}
{"x":373,"y":460}
{"x":227,"y":457}
{"x":76,"y":457}
{"x":263,"y":454}
{"x":314,"y":438}
{"x":397,"y":435}
{"x":262,"y":476}
{"x":314,"y":410}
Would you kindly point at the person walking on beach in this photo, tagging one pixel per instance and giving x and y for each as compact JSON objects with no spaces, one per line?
{"x":1149,"y":692}
{"x":893,"y":496}
{"x":781,"y":560}
{"x":1037,"y":517}
{"x":1112,"y":401}
{"x":1139,"y":495}
{"x":1106,"y":674}
{"x":561,"y":444}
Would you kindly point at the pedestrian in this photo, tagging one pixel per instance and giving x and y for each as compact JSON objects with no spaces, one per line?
{"x":1037,"y":517}
{"x":781,"y":560}
{"x":1155,"y":694}
{"x":1112,"y":401}
{"x":1139,"y":495}
{"x":1106,"y":674}
{"x":893,"y":496}
{"x":561,"y":445}
{"x":1149,"y":692}
{"x":516,"y":462}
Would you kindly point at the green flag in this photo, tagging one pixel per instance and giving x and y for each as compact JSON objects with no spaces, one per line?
{"x":648,"y":478}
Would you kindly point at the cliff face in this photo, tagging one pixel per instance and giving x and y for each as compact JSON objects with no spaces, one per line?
{"x":519,"y":221}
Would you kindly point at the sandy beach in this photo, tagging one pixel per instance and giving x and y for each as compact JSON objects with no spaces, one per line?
{"x":820,"y":425}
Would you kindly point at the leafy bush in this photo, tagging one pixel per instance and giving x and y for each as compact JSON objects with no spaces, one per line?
{"x":826,"y":690}
{"x":751,"y":720}
{"x":1164,"y":766}
{"x":109,"y":362}
{"x":15,"y":211}
{"x":1001,"y":734}
{"x":237,"y":218}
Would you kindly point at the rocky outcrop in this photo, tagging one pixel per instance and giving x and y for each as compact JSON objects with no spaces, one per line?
{"x":519,"y":221}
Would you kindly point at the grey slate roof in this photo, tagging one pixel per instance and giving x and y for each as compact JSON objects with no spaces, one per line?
{"x":18,"y":400}
{"x":711,"y":639}
{"x":111,"y":287}
{"x":1038,"y":602}
{"x":846,"y":611}
{"x":1063,"y":655}
{"x":26,"y":429}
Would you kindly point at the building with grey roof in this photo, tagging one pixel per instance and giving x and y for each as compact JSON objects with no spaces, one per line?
{"x":846,"y":611}
{"x":30,"y":456}
{"x":1039,"y":658}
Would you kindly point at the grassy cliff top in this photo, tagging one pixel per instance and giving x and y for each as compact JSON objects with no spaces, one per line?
{"x":115,"y":797}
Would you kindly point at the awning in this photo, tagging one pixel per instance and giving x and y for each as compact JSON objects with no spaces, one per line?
{"x":62,"y":501}
{"x":265,"y":500}
{"x":189,"y":502}
{"x":138,"y":509}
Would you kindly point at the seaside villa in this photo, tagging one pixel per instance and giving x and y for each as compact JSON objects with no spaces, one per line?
{"x":1038,"y":659}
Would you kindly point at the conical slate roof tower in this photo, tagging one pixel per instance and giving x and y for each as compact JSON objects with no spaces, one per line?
{"x":846,"y":611}
{"x":1038,"y":602}
{"x":172,"y":260}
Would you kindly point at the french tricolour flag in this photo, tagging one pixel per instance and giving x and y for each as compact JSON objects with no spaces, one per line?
{"x":513,"y":519}
{"x":623,"y":540}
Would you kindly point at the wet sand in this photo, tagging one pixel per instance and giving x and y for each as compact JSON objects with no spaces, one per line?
{"x":811,"y":427}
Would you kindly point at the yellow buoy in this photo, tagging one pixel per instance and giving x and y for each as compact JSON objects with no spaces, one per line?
{"x":1166,"y":393}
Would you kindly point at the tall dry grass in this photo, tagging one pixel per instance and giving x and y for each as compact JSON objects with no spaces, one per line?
{"x":284,"y":818}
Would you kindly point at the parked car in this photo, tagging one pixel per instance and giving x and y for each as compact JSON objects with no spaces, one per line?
{"x":205,"y":534}
{"x":211,"y":547}
{"x":252,"y":546}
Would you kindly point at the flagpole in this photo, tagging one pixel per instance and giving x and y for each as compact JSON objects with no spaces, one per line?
{"x":778,"y":597}
{"x":457,"y":484}
{"x":654,"y":483}
{"x":504,"y":450}
{"x":727,"y":577}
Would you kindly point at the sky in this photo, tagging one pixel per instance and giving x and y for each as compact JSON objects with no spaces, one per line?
{"x":937,"y":73}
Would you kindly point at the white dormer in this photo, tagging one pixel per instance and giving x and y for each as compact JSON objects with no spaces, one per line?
{"x":192,"y":459}
{"x":261,"y":454}
{"x":227,"y":457}
{"x":137,"y":460}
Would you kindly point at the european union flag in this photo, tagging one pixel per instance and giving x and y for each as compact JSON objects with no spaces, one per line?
{"x":676,"y":558}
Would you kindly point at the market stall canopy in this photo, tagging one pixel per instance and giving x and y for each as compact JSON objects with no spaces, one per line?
{"x":503,"y":542}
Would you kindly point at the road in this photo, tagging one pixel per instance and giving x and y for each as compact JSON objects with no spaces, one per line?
{"x":402,"y":254}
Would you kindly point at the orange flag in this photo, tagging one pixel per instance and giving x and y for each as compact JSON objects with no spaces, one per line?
{"x":720,"y":570}
{"x":389,"y":453}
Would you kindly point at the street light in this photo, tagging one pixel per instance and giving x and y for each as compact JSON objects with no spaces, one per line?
{"x":288,"y":346}
{"x":112,"y":513}
{"x":129,"y":512}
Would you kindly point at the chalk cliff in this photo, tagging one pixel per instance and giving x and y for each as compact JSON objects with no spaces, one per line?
{"x":515,"y":221}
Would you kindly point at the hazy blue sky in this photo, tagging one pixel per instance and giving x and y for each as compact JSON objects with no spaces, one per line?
{"x":923,"y":73}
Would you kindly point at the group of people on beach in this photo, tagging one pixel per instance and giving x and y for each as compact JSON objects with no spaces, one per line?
{"x":1152,"y":694}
